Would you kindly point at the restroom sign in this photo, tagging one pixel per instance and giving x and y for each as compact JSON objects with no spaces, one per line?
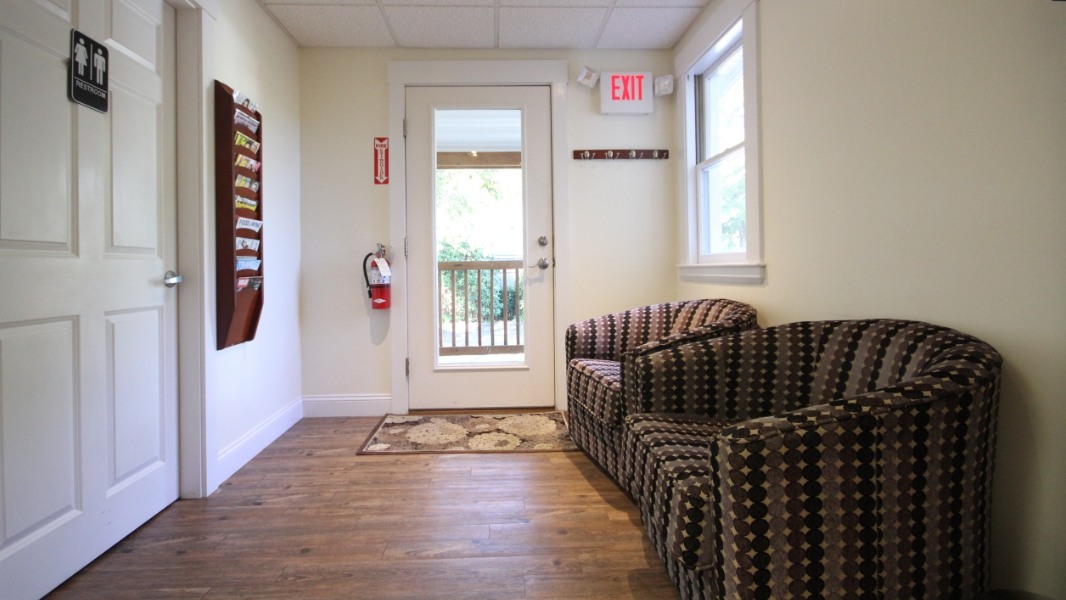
{"x":381,"y":160}
{"x":626,"y":93}
{"x":87,"y":84}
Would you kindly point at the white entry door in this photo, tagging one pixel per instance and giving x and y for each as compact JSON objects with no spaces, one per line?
{"x":88,"y":406}
{"x":480,"y":247}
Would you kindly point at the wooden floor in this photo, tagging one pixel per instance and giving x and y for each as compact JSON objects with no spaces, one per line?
{"x":307,"y":518}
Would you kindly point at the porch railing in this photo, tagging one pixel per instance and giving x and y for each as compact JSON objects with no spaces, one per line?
{"x":480,"y":308}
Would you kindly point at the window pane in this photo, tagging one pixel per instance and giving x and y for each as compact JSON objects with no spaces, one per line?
{"x":724,"y":97}
{"x":723,"y":208}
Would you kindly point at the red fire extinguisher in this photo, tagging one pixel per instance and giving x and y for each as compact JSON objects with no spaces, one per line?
{"x":378,"y":279}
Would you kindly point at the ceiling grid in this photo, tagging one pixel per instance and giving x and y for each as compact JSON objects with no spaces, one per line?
{"x":516,"y":24}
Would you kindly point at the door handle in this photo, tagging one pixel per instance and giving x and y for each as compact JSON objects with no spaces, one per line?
{"x":171,"y":279}
{"x":541,"y":264}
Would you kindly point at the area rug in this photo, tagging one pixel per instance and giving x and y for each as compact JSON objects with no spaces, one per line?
{"x":447,"y":433}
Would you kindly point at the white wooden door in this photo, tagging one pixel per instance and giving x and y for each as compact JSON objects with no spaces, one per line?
{"x":498,"y":352}
{"x":88,"y":403}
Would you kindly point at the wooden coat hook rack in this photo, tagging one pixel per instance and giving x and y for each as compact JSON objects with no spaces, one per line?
{"x":623,"y":154}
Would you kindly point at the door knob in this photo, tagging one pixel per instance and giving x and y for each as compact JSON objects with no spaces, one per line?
{"x":541,"y":264}
{"x":171,"y":279}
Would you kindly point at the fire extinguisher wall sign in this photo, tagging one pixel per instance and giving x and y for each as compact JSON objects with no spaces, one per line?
{"x":381,"y":161}
{"x":378,"y":277}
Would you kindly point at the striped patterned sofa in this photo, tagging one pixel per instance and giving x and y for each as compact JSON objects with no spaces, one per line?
{"x":598,"y":349}
{"x":834,"y":459}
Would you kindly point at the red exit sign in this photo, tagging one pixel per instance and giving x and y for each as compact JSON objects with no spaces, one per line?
{"x":627,"y":87}
{"x":626,"y":93}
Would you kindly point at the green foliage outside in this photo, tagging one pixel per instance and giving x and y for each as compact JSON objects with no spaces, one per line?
{"x":478,"y":209}
{"x":734,"y":212}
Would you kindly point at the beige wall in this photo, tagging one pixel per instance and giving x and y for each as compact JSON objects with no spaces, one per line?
{"x":912,"y":167}
{"x":254,"y":388}
{"x":621,"y":214}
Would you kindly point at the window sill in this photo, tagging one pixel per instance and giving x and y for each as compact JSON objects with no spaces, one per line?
{"x":725,"y":273}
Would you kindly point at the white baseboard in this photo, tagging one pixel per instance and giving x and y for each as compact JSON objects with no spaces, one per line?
{"x":347,"y":405}
{"x":243,"y":449}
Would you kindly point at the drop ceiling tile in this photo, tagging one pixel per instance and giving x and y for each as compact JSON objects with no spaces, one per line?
{"x":646,"y":28}
{"x":323,"y":2}
{"x":550,"y":27}
{"x":560,"y":3}
{"x":335,"y":25}
{"x":632,"y":24}
{"x":443,"y":27}
{"x":437,"y":2}
{"x":662,"y":3}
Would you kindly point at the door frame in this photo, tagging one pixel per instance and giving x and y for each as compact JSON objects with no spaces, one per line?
{"x":402,"y":74}
{"x":195,"y":24}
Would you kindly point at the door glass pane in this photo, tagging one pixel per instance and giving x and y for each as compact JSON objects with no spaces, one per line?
{"x":479,"y":235}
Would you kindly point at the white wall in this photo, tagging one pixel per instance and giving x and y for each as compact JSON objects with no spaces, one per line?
{"x":253,"y":389}
{"x":912,"y":167}
{"x":621,"y":214}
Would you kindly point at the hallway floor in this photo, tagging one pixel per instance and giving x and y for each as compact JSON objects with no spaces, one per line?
{"x":308,"y":518}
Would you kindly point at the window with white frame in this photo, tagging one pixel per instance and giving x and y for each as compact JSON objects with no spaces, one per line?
{"x":724,"y":233}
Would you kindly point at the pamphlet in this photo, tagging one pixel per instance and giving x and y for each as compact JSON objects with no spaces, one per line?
{"x":244,"y":120}
{"x":245,"y":203}
{"x":247,"y":182}
{"x":251,"y":283}
{"x":248,"y":264}
{"x":247,"y":162}
{"x":247,"y":244}
{"x":246,"y":142}
{"x":246,"y":223}
{"x":245,"y":101}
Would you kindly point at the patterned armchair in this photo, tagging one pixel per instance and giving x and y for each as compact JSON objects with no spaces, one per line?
{"x":819,"y":459}
{"x":596,"y":349}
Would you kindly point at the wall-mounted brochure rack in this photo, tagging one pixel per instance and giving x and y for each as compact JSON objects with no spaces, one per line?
{"x":238,"y":215}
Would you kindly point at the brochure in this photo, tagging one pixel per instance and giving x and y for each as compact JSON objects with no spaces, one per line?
{"x":244,"y":120}
{"x":248,"y":264}
{"x":247,"y":162}
{"x":246,"y":142}
{"x":251,"y":283}
{"x":246,"y":223}
{"x":247,"y":182}
{"x":247,"y":244}
{"x":243,"y":100}
{"x":245,"y":203}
